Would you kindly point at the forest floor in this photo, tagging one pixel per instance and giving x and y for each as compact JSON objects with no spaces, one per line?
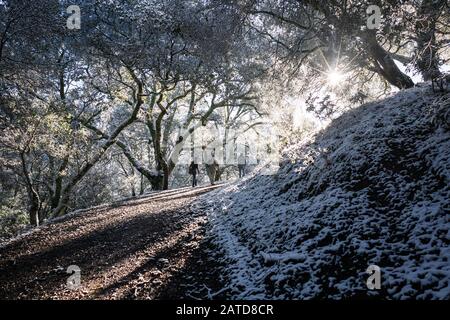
{"x":151,"y":247}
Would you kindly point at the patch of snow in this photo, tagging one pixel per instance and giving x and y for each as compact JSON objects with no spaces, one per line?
{"x":371,"y":188}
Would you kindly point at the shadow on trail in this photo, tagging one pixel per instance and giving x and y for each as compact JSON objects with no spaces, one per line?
{"x":30,"y":276}
{"x":201,"y":276}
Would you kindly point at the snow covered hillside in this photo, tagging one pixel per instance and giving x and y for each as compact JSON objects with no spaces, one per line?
{"x":372,"y":188}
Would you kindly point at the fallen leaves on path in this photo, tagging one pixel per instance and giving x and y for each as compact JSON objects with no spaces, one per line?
{"x":146,"y":248}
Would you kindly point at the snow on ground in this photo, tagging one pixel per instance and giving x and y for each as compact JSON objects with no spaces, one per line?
{"x":371,"y":188}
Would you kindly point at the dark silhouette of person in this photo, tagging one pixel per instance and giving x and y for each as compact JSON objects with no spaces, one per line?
{"x":193,"y":169}
{"x":212,"y":169}
{"x":241,"y":165}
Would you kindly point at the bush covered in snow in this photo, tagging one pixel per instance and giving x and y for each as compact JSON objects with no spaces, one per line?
{"x":371,"y":188}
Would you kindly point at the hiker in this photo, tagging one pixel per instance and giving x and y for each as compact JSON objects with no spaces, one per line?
{"x":193,"y":169}
{"x":241,"y":165}
{"x":212,"y":169}
{"x":211,"y":164}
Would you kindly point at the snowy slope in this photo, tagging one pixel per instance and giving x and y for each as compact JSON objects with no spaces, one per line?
{"x":372,"y":188}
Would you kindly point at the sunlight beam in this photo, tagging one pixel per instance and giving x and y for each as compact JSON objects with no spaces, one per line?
{"x":335,"y":77}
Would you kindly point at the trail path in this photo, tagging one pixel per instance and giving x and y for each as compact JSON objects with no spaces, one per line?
{"x":146,"y":248}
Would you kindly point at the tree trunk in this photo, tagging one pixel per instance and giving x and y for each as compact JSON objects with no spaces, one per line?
{"x":157,"y":183}
{"x":58,"y":184}
{"x":33,"y":196}
{"x":427,"y":58}
{"x":34,"y":212}
{"x":166,"y":179}
{"x":384,"y":64}
{"x":141,"y":184}
{"x":150,"y":175}
{"x":111,"y":140}
{"x":162,"y":183}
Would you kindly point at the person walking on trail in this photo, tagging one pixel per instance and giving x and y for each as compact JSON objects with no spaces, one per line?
{"x":193,"y":169}
{"x":241,"y":165}
{"x":212,"y":169}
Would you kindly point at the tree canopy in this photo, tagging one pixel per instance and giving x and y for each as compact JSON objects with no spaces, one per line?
{"x":108,"y":109}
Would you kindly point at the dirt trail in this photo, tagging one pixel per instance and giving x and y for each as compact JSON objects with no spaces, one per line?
{"x":146,"y":248}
